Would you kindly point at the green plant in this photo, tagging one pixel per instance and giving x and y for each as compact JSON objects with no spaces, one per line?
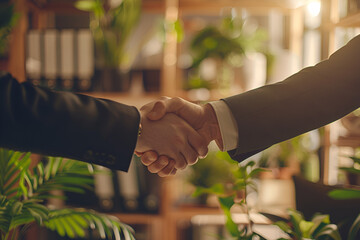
{"x":318,"y":228}
{"x":8,"y":19}
{"x":23,"y":193}
{"x":233,"y":194}
{"x":212,"y":170}
{"x":227,"y":44}
{"x":350,"y":193}
{"x":111,"y":26}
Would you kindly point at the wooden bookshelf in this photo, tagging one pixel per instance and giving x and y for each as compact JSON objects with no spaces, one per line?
{"x":352,"y":20}
{"x":348,"y":141}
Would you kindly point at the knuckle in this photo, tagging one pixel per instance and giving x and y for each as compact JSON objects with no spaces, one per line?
{"x":152,"y":170}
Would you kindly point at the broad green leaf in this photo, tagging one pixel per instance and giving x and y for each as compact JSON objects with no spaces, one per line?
{"x":256,"y":171}
{"x":296,"y":217}
{"x":86,"y":5}
{"x":305,"y":228}
{"x":351,"y":170}
{"x":226,"y":203}
{"x":285,"y":227}
{"x":249,"y":164}
{"x":330,"y":230}
{"x":344,"y":194}
{"x":216,"y":189}
{"x":356,"y":159}
{"x":318,"y":220}
{"x":355,"y":227}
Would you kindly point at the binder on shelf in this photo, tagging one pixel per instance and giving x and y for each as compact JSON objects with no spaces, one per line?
{"x":34,"y":61}
{"x":104,"y":189}
{"x":128,"y":189}
{"x":149,"y":188}
{"x":85,"y":59}
{"x":50,"y":58}
{"x":67,"y":59}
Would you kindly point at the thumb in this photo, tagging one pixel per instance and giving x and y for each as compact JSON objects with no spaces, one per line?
{"x":158,"y":111}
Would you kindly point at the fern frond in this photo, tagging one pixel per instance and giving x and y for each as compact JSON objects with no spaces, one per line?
{"x":74,"y":222}
{"x":69,"y":175}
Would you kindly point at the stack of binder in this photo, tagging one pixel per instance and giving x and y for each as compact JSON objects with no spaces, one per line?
{"x":60,"y":59}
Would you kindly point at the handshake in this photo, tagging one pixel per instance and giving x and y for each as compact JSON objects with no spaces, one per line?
{"x":175,"y":133}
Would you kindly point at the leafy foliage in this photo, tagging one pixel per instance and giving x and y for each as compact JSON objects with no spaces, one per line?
{"x":8,"y":19}
{"x":350,"y":193}
{"x":318,"y":228}
{"x":111,"y":27}
{"x":228,"y":196}
{"x":227,"y":44}
{"x":22,"y":194}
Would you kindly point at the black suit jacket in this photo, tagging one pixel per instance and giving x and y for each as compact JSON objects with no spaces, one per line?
{"x":307,"y":100}
{"x":66,"y":124}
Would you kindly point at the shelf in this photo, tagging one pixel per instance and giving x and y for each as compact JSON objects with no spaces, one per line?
{"x":126,"y":98}
{"x":155,"y":6}
{"x":348,"y":141}
{"x":352,"y":20}
{"x":129,"y":218}
{"x":259,"y":6}
{"x":190,"y":211}
{"x":185,"y":6}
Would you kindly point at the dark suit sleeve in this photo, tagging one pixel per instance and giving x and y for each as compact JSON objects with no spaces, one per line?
{"x":307,"y":100}
{"x":66,"y":124}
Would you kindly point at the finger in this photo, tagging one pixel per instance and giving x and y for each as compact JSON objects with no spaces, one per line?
{"x":139,"y":154}
{"x":157,"y":112}
{"x":159,"y":164}
{"x":163,"y":106}
{"x":149,"y":157}
{"x":173,"y":172}
{"x":180,"y":161}
{"x":166,"y":171}
{"x":191,"y":156}
{"x":199,"y":144}
{"x":190,"y":112}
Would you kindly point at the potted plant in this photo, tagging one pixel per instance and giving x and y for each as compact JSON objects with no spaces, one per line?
{"x":111,"y":26}
{"x":294,"y":156}
{"x":23,"y":194}
{"x":234,"y":194}
{"x":350,"y":193}
{"x":215,"y":168}
{"x":318,"y":228}
{"x":225,"y":48}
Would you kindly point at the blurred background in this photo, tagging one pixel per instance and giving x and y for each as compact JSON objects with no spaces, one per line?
{"x":134,"y":51}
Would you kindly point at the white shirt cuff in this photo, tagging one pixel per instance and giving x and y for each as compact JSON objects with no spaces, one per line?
{"x":227,"y":124}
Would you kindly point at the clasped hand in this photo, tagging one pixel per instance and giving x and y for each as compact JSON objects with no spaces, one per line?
{"x":175,"y":133}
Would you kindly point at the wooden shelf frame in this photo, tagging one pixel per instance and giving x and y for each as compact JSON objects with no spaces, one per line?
{"x":352,"y":20}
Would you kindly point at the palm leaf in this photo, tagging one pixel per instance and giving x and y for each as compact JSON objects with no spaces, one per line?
{"x":11,"y":164}
{"x":71,"y":176}
{"x":18,"y":184}
{"x":74,"y":222}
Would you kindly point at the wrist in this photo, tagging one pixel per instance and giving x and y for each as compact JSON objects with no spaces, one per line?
{"x":212,"y":125}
